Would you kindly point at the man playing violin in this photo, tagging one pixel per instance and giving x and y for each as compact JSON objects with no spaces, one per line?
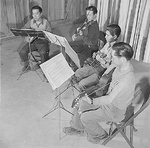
{"x":109,"y":107}
{"x":41,"y":45}
{"x":90,"y":73}
{"x":85,"y":40}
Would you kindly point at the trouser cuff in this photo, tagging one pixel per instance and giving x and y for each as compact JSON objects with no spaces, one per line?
{"x":25,"y":63}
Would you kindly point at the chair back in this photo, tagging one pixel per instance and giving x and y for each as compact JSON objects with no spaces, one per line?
{"x":101,"y":40}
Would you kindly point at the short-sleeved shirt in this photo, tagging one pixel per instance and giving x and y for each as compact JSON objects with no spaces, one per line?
{"x":44,"y":25}
{"x":106,"y":50}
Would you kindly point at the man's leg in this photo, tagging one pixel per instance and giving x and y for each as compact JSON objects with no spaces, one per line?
{"x":88,"y":81}
{"x":76,"y":127}
{"x":23,"y":53}
{"x":43,"y":49}
{"x":90,"y":121}
{"x":86,"y":53}
{"x":84,"y":72}
{"x":77,"y":46}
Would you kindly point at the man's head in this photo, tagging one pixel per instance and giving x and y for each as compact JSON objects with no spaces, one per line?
{"x":91,"y":12}
{"x":112,"y":32}
{"x":36,"y":12}
{"x":121,"y":53}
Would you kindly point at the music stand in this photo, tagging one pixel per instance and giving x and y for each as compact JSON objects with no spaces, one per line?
{"x":59,"y":103}
{"x":28,"y":33}
{"x":58,"y":40}
{"x":57,"y":71}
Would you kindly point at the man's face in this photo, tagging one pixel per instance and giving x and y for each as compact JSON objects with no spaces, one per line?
{"x":36,"y":14}
{"x":115,"y":59}
{"x":90,"y":16}
{"x":109,"y":37}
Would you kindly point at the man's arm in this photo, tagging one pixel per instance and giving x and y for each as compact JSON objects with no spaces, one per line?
{"x":27,"y":25}
{"x":87,"y":38}
{"x":121,"y":89}
{"x":48,"y":26}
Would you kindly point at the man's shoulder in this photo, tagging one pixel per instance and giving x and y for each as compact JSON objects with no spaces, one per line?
{"x":45,"y":20}
{"x":94,"y":24}
{"x":111,"y":67}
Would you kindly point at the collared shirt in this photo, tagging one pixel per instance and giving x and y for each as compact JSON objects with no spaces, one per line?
{"x":106,"y":50}
{"x":44,"y":25}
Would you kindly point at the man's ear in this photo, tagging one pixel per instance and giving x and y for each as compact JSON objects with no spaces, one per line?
{"x":95,"y":17}
{"x":115,"y":37}
{"x":124,"y":59}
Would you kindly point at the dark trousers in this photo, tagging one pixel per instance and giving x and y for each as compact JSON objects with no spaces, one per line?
{"x":42,"y":46}
{"x":83,"y":51}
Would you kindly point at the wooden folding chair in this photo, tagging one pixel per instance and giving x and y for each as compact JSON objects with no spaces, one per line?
{"x":128,"y":121}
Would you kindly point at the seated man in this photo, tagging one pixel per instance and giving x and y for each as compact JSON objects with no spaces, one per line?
{"x":85,"y":39}
{"x":41,"y":45}
{"x":89,"y":74}
{"x":113,"y":105}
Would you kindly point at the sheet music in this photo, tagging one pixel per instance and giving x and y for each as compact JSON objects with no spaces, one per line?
{"x":57,"y":70}
{"x":55,"y":39}
{"x":62,"y":41}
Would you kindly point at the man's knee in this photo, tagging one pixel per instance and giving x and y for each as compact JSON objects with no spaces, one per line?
{"x":44,"y":51}
{"x":88,"y":81}
{"x":82,"y":84}
{"x":84,"y":117}
{"x":23,"y":51}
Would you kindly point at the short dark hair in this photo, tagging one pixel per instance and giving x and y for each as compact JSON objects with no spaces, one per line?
{"x":37,"y":7}
{"x":92,"y":8}
{"x":123,"y":50}
{"x":114,"y":29}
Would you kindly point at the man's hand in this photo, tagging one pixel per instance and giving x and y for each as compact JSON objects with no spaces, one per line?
{"x":87,"y":99}
{"x":94,"y":55}
{"x":74,"y":37}
{"x":79,"y":31}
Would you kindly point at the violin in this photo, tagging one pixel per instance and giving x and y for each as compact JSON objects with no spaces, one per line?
{"x":85,"y":25}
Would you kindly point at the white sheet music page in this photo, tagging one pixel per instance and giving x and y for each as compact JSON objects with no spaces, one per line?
{"x":62,"y":41}
{"x":55,"y":39}
{"x":57,"y":70}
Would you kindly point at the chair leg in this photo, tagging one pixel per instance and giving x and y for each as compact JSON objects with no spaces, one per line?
{"x":124,"y":130}
{"x":134,"y":129}
{"x":110,"y":129}
{"x":128,"y":141}
{"x":115,"y":132}
{"x":131,"y":134}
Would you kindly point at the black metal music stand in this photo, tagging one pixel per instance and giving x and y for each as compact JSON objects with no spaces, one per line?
{"x":28,"y":33}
